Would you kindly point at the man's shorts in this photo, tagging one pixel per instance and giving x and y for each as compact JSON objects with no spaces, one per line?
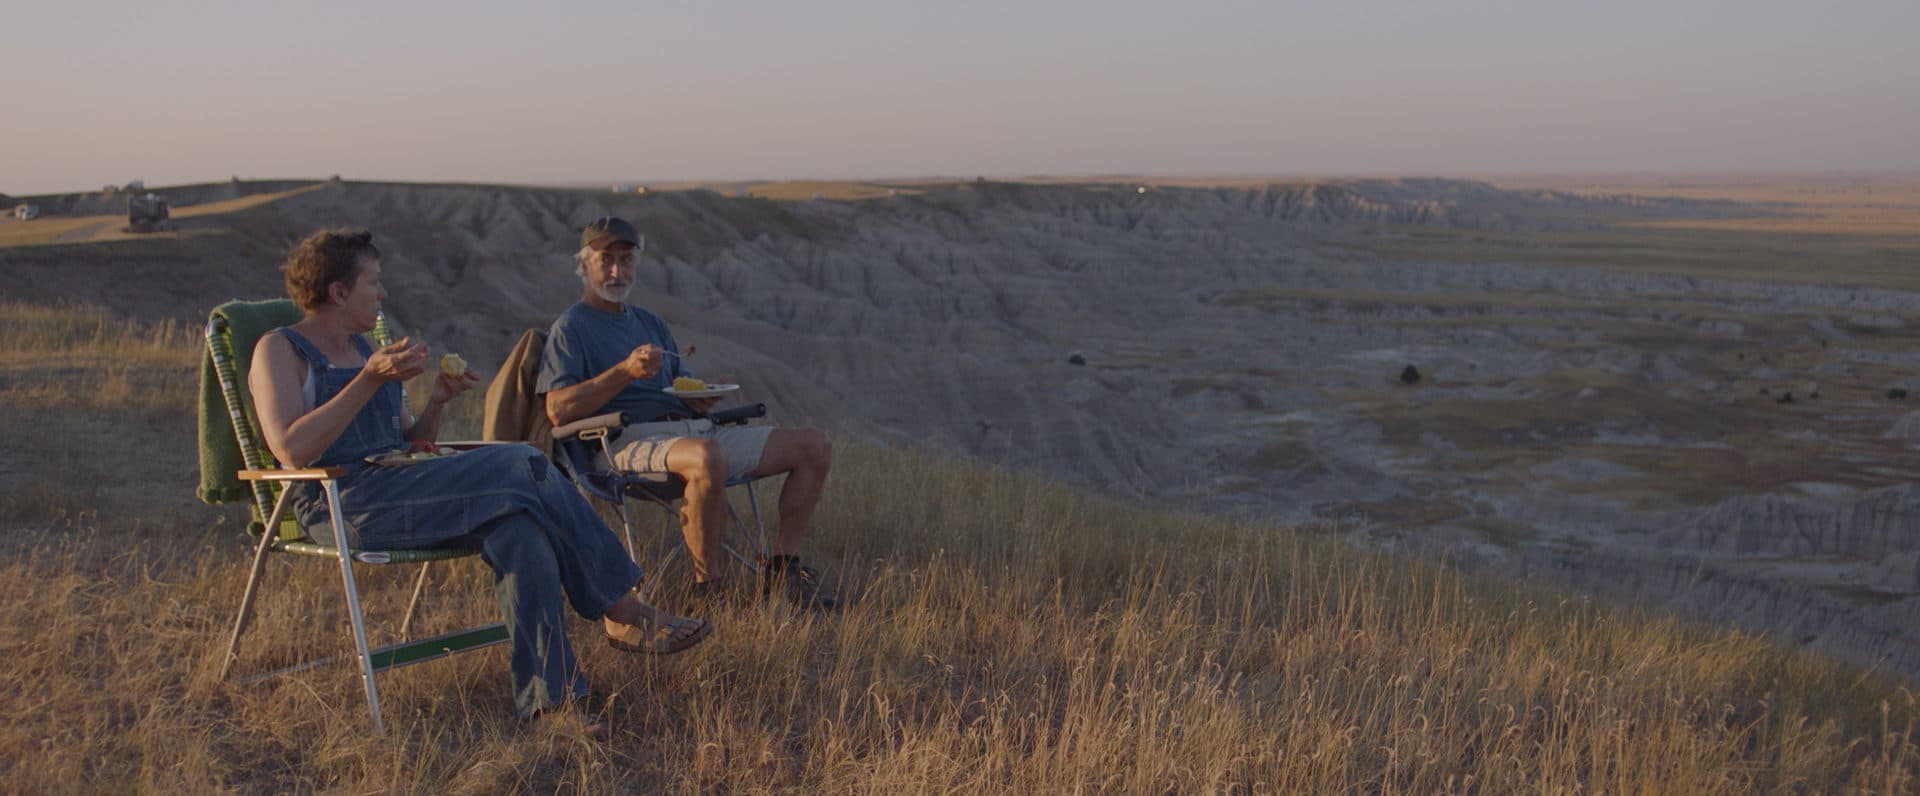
{"x":643,"y":447}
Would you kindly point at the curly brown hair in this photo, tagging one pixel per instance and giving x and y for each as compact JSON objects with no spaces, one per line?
{"x":322,"y":259}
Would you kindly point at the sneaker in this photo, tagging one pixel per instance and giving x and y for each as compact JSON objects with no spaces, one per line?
{"x":706,"y":590}
{"x":715,"y":594}
{"x":800,"y":585}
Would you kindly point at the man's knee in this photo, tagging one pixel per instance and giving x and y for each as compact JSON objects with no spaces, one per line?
{"x":816,"y":447}
{"x":699,"y":459}
{"x":795,"y":449}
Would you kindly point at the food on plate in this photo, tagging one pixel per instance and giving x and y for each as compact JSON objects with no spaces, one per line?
{"x":453,"y":365}
{"x":688,"y":384}
{"x":396,"y":458}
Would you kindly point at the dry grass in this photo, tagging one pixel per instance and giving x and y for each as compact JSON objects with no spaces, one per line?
{"x":74,"y":383}
{"x":1886,"y":205}
{"x":1007,"y":636}
{"x":1834,"y":230}
{"x":797,"y":190}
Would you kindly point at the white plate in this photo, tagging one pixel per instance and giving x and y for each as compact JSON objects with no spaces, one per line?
{"x":711,"y":391}
{"x":402,"y":458}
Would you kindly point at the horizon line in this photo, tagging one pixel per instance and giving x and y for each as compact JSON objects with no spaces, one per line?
{"x":1065,"y":177}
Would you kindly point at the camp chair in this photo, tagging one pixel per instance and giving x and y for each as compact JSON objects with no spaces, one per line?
{"x":231,"y":340}
{"x":515,"y":411}
{"x":575,"y":445}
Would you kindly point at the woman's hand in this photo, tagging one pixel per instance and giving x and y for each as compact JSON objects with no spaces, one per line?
{"x":398,"y":361}
{"x":447,"y":388}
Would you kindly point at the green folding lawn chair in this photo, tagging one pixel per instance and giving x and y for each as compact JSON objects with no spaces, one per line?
{"x":236,"y":465}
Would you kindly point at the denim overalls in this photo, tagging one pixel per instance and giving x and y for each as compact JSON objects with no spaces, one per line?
{"x":539,"y":535}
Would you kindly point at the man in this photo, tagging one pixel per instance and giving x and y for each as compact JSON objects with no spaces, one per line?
{"x":605,"y":355}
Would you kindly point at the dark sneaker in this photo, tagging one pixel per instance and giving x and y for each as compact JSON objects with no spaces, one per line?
{"x":799,"y":585}
{"x":714,"y":594}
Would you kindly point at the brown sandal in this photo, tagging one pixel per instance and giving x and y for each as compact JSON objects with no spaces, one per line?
{"x":675,"y":636}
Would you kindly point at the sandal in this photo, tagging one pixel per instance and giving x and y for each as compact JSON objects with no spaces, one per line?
{"x":675,"y":636}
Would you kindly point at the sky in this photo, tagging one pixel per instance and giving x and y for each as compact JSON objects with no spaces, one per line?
{"x":589,"y":92}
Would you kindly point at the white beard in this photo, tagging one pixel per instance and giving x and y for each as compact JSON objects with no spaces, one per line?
{"x":616,"y":295}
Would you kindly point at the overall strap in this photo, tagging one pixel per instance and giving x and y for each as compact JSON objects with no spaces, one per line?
{"x":305,"y":348}
{"x":311,"y":353}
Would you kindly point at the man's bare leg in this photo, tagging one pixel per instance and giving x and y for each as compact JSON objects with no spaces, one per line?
{"x":703,"y":512}
{"x":805,"y":455}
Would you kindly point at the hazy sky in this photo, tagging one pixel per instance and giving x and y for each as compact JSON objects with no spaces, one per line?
{"x":173,"y":91}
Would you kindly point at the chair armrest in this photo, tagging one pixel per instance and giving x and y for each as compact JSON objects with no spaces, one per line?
{"x":737,"y":416}
{"x":306,"y":474}
{"x":573,"y":429}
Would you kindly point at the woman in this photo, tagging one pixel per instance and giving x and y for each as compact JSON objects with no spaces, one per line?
{"x":326,"y":398}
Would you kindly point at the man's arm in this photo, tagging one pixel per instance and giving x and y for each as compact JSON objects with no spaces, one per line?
{"x":584,"y":399}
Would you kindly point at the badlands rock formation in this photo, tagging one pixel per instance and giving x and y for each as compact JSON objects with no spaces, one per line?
{"x":1225,"y":350}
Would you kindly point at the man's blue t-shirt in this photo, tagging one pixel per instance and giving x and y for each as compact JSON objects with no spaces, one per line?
{"x":585,"y":342}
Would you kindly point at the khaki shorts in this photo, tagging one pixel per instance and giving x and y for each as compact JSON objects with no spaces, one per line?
{"x":642,"y":447}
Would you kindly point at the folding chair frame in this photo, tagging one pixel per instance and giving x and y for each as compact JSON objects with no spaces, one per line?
{"x":660,"y":489}
{"x":265,"y":483}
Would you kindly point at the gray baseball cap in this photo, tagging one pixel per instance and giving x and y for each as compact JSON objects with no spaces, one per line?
{"x":608,"y":230}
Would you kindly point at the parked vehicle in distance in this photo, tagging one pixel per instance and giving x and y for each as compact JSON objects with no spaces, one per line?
{"x":148,"y":213}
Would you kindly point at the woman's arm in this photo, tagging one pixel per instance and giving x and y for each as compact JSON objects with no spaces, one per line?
{"x":295,"y":435}
{"x":445,"y":388}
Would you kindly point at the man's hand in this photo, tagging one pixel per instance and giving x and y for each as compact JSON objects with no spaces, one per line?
{"x":397,"y":361}
{"x":447,"y":388}
{"x":642,"y":362}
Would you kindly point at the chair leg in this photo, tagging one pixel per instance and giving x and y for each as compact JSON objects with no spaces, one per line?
{"x":659,"y":567}
{"x":759,"y":524}
{"x":353,"y":604}
{"x":246,"y":602}
{"x":653,"y":580}
{"x":756,"y":542}
{"x":739,"y":527}
{"x":419,"y":585}
{"x":267,"y":535}
{"x":750,"y":563}
{"x":754,"y":539}
{"x":626,"y":524}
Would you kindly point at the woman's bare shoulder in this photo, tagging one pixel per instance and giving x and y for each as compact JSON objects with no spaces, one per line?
{"x":275,"y":359}
{"x":273,"y":349}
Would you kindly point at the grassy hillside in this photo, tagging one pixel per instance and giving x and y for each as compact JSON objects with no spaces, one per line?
{"x":1008,"y":635}
{"x":99,"y":228}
